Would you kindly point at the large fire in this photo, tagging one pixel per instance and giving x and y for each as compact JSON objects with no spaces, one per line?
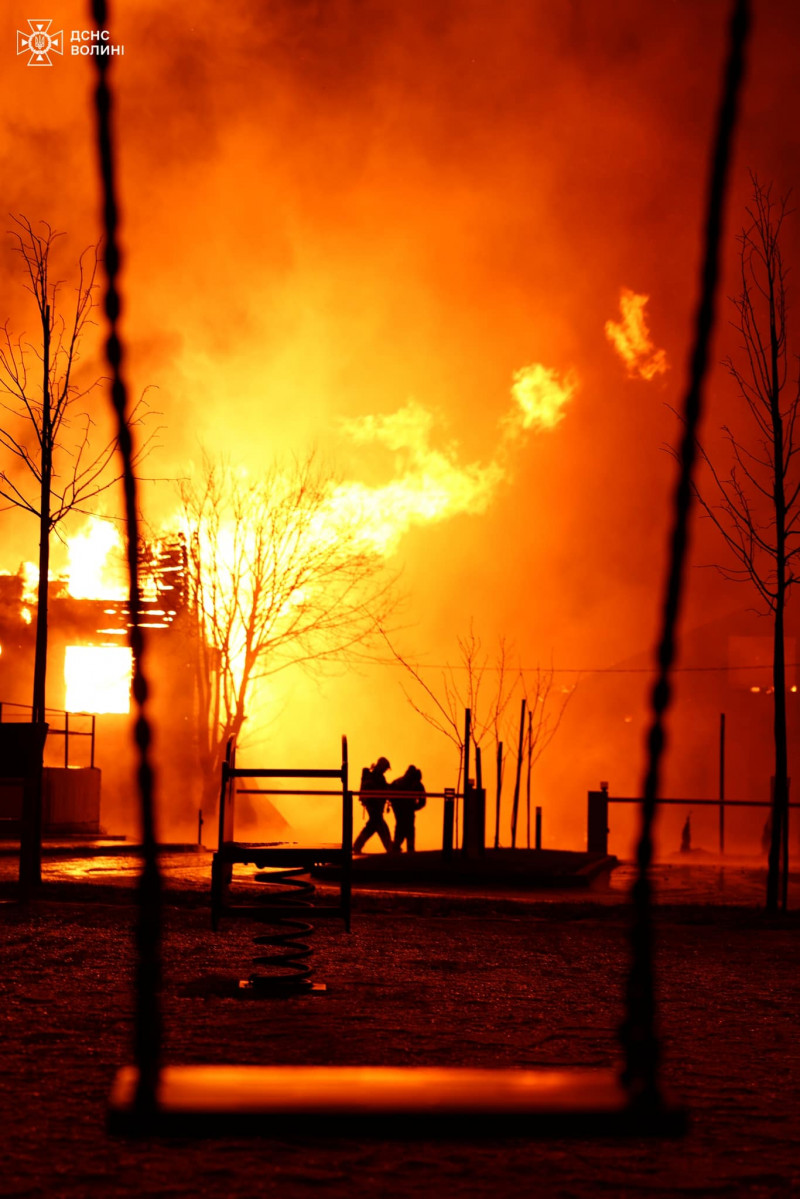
{"x":429,"y":483}
{"x":96,"y":568}
{"x":97,"y":677}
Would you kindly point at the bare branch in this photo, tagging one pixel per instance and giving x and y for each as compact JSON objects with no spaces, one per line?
{"x":47,"y":434}
{"x":276,"y":579}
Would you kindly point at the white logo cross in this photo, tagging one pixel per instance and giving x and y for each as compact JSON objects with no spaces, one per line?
{"x":40,"y":43}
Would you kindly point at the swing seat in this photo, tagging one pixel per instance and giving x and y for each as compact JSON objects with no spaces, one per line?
{"x":386,"y":1102}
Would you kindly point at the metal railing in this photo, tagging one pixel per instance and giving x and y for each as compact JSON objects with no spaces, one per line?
{"x":66,"y":731}
{"x":230,"y":851}
{"x":597,"y":812}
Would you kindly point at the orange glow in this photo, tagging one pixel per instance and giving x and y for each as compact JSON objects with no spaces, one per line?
{"x":30,"y":583}
{"x":25,"y":613}
{"x":95,"y":572}
{"x":98,"y":678}
{"x":631,"y":338}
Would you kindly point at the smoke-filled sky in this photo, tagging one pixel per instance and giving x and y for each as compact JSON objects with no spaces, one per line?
{"x":387,"y":230}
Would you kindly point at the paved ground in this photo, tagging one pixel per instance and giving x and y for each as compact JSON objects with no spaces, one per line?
{"x":424,"y":977}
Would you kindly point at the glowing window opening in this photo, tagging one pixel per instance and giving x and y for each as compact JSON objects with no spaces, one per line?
{"x":98,"y":678}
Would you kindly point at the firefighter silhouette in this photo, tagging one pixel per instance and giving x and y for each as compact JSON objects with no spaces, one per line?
{"x":373,"y":796}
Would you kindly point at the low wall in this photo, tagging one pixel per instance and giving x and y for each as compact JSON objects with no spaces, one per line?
{"x":70,"y":801}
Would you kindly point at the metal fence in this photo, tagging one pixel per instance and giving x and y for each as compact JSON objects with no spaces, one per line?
{"x":68,"y":727}
{"x":597,"y":829}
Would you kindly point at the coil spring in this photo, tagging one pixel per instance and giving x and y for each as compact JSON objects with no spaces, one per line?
{"x":289,"y":953}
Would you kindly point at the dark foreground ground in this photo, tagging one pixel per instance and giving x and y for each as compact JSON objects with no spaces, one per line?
{"x":494,"y":980}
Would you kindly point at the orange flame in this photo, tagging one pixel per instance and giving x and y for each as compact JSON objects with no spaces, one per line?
{"x":30,"y":585}
{"x":631,"y":338}
{"x":540,"y":397}
{"x":431,"y":484}
{"x":96,"y":570}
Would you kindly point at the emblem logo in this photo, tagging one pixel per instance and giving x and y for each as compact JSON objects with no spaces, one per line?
{"x":40,"y":43}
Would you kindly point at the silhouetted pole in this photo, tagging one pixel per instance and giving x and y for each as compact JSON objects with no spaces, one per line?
{"x":538,"y":828}
{"x":722,"y":782}
{"x":515,"y":809}
{"x":499,"y":788}
{"x":597,"y":821}
{"x":785,"y":880}
{"x":473,"y":841}
{"x":467,"y":732}
{"x":447,"y":821}
{"x":528,"y":780}
{"x":30,"y":862}
{"x":467,"y":735}
{"x":782,"y":883}
{"x":40,"y":658}
{"x":22,"y":750}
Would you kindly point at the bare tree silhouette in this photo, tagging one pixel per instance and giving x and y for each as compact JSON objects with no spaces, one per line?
{"x":545,"y":714}
{"x":754,"y":498}
{"x":276,"y":578}
{"x":460,"y":687}
{"x":486,"y":686}
{"x":52,"y":469}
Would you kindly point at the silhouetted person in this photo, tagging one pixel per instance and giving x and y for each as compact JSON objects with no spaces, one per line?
{"x":374,"y":780}
{"x":686,"y":835}
{"x":766,"y":835}
{"x":405,"y":807}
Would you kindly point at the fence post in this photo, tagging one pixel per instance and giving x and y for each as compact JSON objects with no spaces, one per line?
{"x":474,"y":842}
{"x":597,"y":821}
{"x":24,"y":757}
{"x":722,"y":782}
{"x":346,"y":875}
{"x":447,"y":821}
{"x":499,"y":789}
{"x":785,"y":879}
{"x":467,"y":735}
{"x":515,"y":806}
{"x":227,"y":799}
{"x":538,"y":841}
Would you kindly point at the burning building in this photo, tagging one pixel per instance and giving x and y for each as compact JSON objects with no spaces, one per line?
{"x":89,"y":678}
